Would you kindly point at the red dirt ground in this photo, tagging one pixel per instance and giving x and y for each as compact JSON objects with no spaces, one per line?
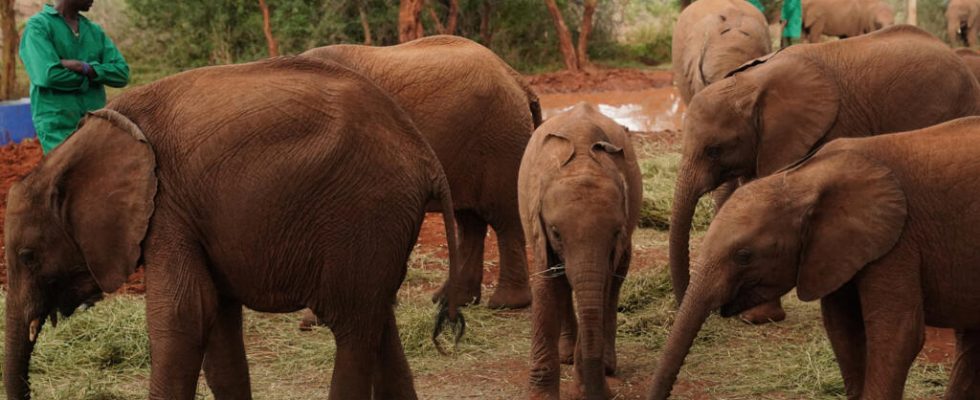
{"x":601,"y":80}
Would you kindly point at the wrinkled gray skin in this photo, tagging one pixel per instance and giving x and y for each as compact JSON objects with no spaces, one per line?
{"x":274,"y":185}
{"x":777,"y":110}
{"x":962,"y":22}
{"x":881,"y":230}
{"x":580,"y":193}
{"x":477,"y":113}
{"x":712,"y":38}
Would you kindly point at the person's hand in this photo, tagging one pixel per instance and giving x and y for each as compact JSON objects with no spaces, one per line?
{"x":78,"y":67}
{"x":73,"y":65}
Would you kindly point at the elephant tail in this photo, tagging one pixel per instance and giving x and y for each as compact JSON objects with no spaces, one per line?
{"x":449,"y":303}
{"x":534,"y":104}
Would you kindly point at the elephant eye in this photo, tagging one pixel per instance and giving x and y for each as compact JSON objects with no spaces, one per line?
{"x":27,"y":257}
{"x":713,"y":152}
{"x":554,"y":232}
{"x":742,"y":257}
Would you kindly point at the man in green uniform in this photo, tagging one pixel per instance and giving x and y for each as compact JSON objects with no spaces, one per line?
{"x":793,"y":22}
{"x":69,"y":60}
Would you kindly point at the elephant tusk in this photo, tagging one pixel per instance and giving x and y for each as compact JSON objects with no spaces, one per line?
{"x":35,"y":326}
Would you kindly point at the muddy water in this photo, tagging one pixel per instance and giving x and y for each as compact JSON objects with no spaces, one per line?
{"x":649,"y":110}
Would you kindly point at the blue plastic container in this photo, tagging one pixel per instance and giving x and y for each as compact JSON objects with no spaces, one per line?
{"x":15,"y":121}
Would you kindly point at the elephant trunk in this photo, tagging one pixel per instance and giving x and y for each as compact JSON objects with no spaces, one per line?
{"x":686,"y":195}
{"x":693,"y":312}
{"x":589,"y":282}
{"x":19,"y":346}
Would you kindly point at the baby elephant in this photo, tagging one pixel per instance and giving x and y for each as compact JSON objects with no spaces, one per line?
{"x":579,"y":191}
{"x":883,"y":230}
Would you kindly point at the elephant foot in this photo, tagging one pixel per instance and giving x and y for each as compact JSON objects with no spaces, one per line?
{"x":609,"y":362}
{"x":580,"y":392}
{"x":510,"y":297}
{"x":764,"y":313}
{"x":566,"y":349}
{"x":309,"y":321}
{"x":539,"y":394}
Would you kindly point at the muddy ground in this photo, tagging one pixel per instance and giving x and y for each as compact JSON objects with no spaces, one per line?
{"x":641,"y":100}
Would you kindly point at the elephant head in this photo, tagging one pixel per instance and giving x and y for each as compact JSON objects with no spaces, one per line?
{"x":812,"y":226}
{"x":74,"y":229}
{"x":768,"y":114}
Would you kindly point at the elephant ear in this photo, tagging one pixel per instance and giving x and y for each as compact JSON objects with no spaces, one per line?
{"x":105,"y":194}
{"x":856,"y":211}
{"x":798,"y":105}
{"x":565,"y":156}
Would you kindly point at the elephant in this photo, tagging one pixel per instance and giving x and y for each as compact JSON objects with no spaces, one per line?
{"x":844,"y":18}
{"x":972,"y":59}
{"x":961,"y":22}
{"x":580,"y":193}
{"x":882,"y":230}
{"x":477,"y":113}
{"x":712,"y":38}
{"x":275,"y":185}
{"x":882,"y":14}
{"x":777,"y":109}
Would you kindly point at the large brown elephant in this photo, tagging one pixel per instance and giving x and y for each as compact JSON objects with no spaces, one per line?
{"x":962,"y":20}
{"x":776,"y":110}
{"x":712,"y":38}
{"x":477,"y":113}
{"x":844,"y":18}
{"x":276,"y":185}
{"x":580,"y":194}
{"x":882,"y":230}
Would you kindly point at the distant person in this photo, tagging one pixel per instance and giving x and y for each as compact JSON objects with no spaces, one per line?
{"x":792,"y":16}
{"x":69,"y":60}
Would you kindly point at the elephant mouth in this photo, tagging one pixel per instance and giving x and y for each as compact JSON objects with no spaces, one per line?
{"x":744,"y":299}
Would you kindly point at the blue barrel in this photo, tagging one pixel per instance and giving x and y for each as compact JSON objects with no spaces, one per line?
{"x":15,"y":121}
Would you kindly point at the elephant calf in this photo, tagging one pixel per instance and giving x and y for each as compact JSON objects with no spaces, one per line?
{"x":712,"y":38}
{"x":844,"y":18}
{"x":774,"y":111}
{"x":276,"y":185}
{"x":579,"y":191}
{"x":882,"y":230}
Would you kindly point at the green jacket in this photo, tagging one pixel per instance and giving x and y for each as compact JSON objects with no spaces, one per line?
{"x":59,"y":96}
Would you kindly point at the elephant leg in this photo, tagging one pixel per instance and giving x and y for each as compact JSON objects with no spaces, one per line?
{"x":309,"y":320}
{"x":964,"y":381}
{"x":358,"y":340}
{"x":845,"y":328}
{"x":225,"y":365}
{"x":894,"y":322}
{"x":723,"y":192}
{"x":612,"y":307}
{"x":392,"y":376}
{"x":569,"y":331}
{"x":512,"y":289}
{"x":816,"y":31}
{"x":181,"y":306}
{"x":550,"y":294}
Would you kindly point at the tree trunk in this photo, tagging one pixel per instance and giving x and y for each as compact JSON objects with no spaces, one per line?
{"x":267,"y":28}
{"x":910,"y":19}
{"x":486,"y":31}
{"x":8,"y":61}
{"x":453,"y":15}
{"x":583,"y":36}
{"x":364,"y":23}
{"x":409,"y":23}
{"x":564,"y":37}
{"x":440,"y":28}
